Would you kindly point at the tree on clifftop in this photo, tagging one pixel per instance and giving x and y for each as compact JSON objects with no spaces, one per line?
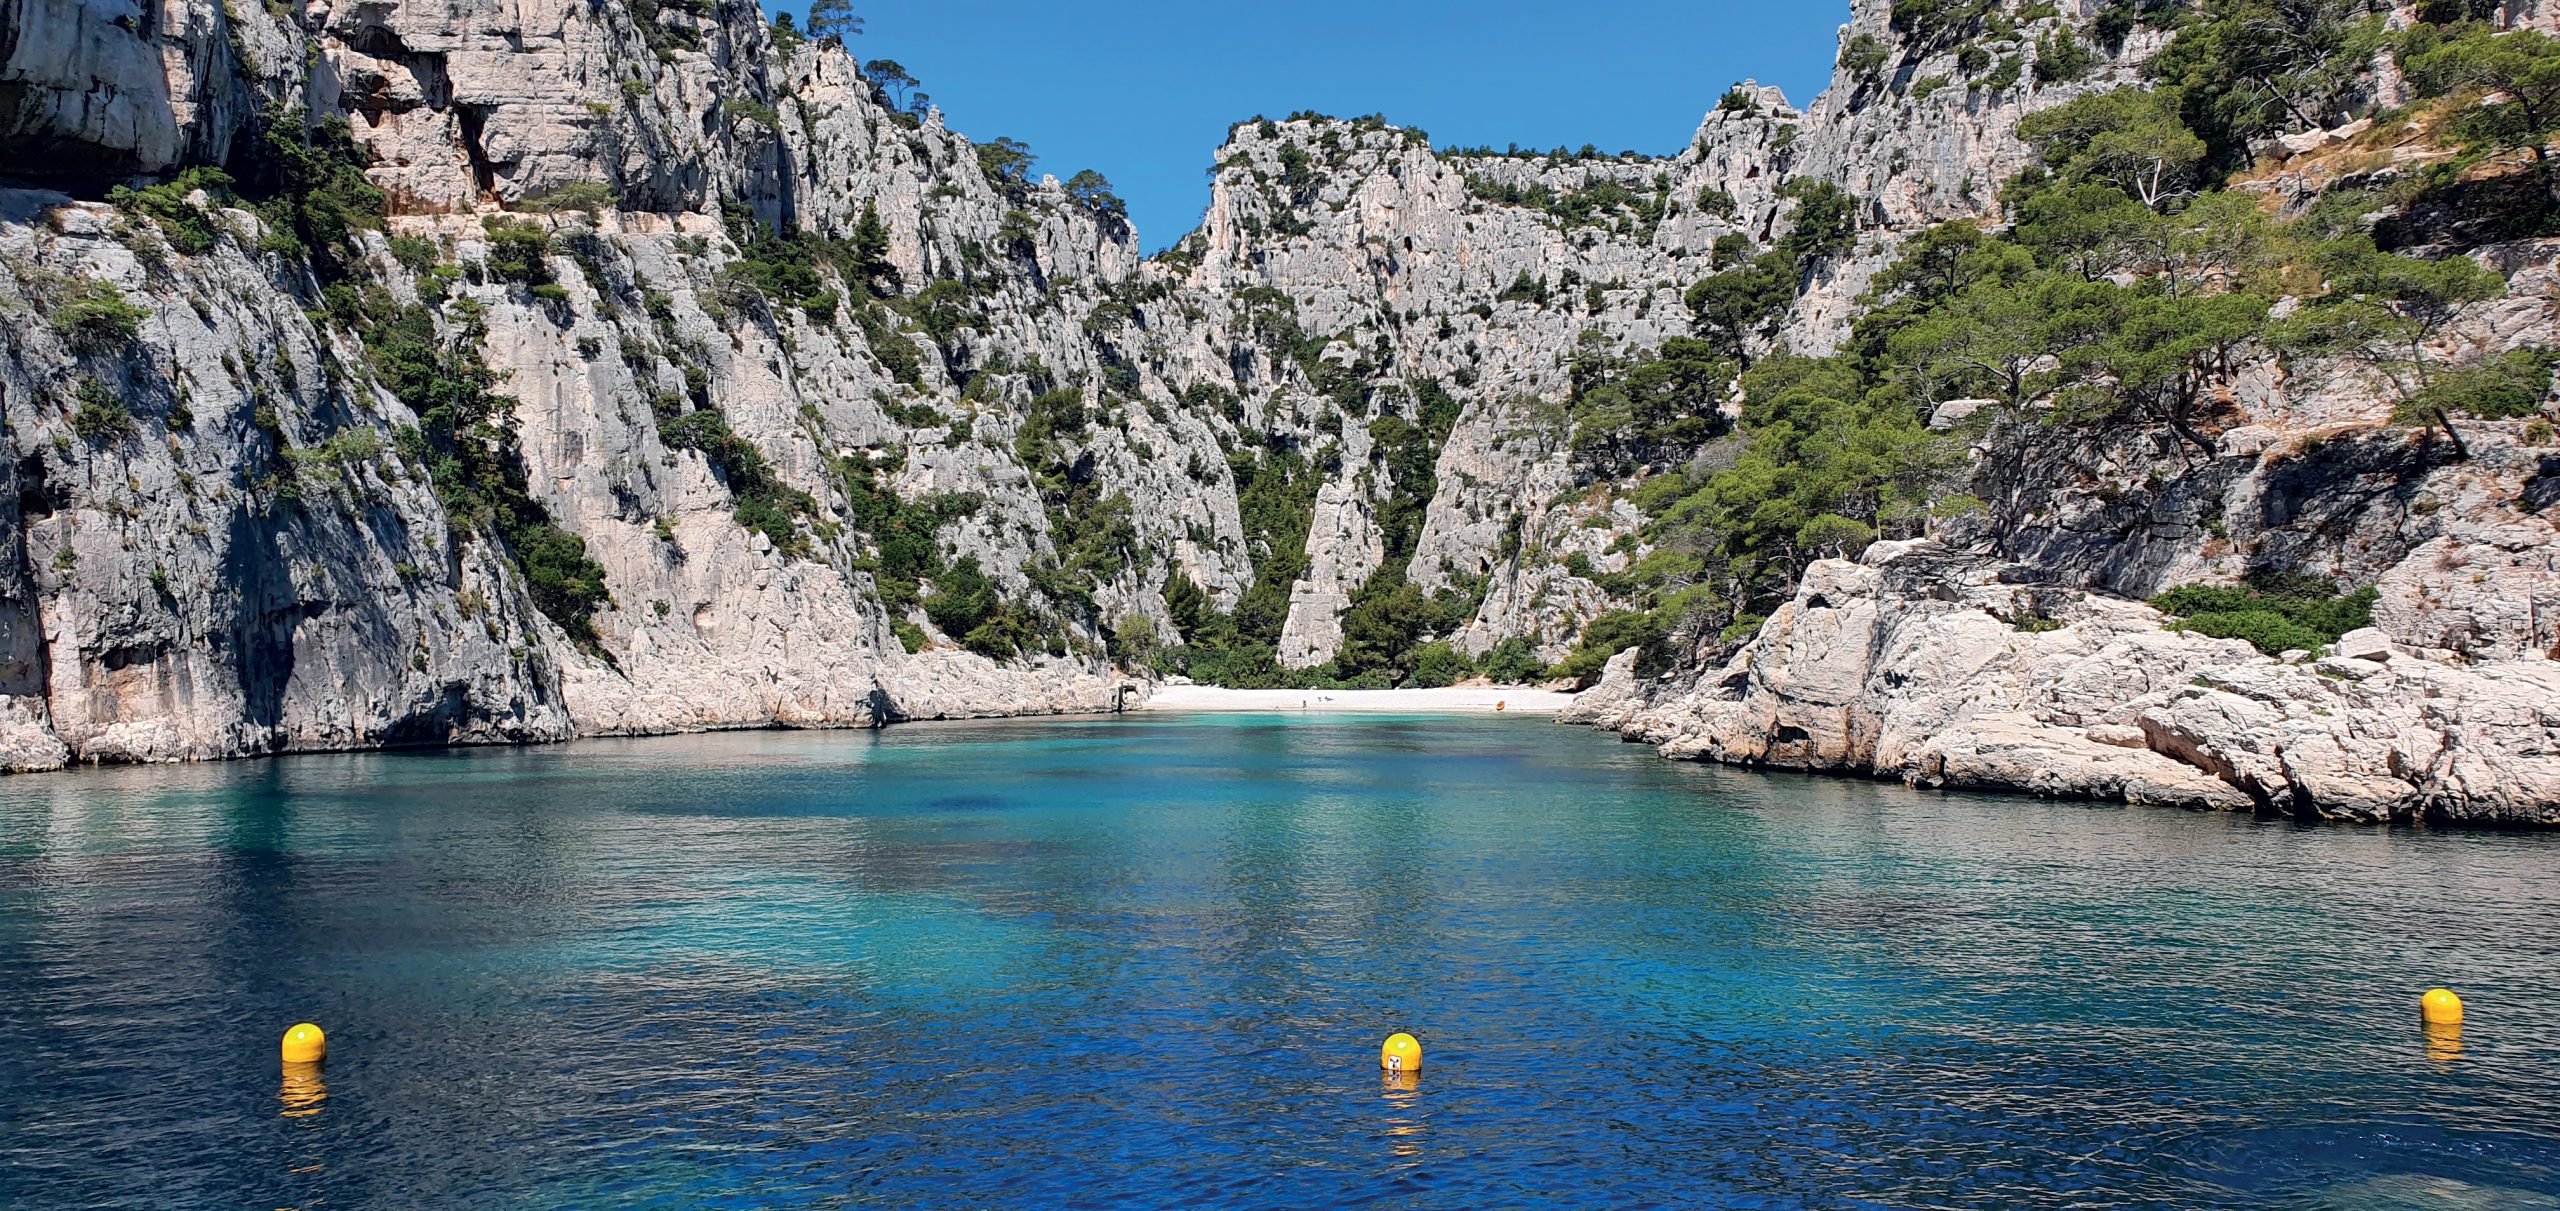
{"x":833,"y":21}
{"x":1092,"y":189}
{"x":892,"y":79}
{"x":1006,"y":161}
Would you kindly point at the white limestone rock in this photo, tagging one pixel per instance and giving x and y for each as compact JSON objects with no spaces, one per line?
{"x":1612,"y":700}
{"x":2019,"y":752}
{"x":218,"y":586}
{"x":2367,"y":643}
{"x":1897,"y":666}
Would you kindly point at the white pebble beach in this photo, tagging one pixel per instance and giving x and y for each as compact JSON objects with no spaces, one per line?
{"x":1454,"y":700}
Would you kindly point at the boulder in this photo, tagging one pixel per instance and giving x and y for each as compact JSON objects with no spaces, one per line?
{"x":2018,"y":752}
{"x":1902,"y":665}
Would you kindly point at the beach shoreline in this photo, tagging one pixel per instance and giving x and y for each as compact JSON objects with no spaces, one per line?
{"x":1453,"y":700}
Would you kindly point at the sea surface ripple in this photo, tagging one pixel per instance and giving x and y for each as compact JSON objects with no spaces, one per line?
{"x":1147,"y":962}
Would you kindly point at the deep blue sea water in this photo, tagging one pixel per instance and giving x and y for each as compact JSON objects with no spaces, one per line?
{"x":1147,"y":962}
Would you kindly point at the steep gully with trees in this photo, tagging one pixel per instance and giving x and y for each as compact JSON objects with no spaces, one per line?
{"x":402,"y":377}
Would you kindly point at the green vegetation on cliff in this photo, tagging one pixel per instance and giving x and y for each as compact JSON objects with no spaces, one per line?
{"x":1275,"y":499}
{"x":2126,"y":291}
{"x":2276,"y":612}
{"x":1390,"y":629}
{"x":465,"y":438}
{"x":308,"y":184}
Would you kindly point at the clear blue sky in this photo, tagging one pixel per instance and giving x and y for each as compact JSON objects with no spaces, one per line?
{"x":1144,"y":90}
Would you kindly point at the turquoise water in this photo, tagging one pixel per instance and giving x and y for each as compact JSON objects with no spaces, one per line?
{"x":1148,"y":962}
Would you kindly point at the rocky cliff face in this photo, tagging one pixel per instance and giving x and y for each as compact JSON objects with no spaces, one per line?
{"x":1908,"y":664}
{"x":236,"y":554}
{"x":850,"y":421}
{"x":2013,"y":655}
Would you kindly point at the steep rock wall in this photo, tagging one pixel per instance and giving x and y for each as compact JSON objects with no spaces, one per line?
{"x":253,"y":561}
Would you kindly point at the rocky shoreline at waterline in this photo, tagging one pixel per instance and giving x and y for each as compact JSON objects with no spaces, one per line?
{"x":1907,"y":663}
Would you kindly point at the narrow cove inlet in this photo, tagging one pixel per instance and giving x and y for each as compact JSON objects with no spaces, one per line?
{"x":1872,"y":605}
{"x":1149,"y":961}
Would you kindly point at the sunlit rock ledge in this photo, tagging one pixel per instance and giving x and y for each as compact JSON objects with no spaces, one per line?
{"x":1905,"y":664}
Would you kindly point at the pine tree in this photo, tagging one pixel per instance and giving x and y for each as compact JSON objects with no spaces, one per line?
{"x":832,"y":20}
{"x":871,"y":265}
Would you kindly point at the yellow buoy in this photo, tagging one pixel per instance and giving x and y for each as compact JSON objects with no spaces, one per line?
{"x":2440,"y":1007}
{"x":305,"y":1044}
{"x":1402,"y":1053}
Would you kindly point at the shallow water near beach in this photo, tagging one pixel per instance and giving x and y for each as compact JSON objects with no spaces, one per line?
{"x":1148,"y":961}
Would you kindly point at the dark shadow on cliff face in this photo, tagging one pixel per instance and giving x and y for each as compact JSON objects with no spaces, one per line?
{"x":265,"y":611}
{"x":22,"y":652}
{"x":2067,"y":512}
{"x":121,"y":66}
{"x":2543,"y":490}
{"x":2469,"y":213}
{"x":433,"y":724}
{"x":2358,"y":488}
{"x":2080,"y":507}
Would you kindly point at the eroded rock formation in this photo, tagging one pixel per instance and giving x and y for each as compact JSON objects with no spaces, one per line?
{"x":1908,"y":663}
{"x":234,"y":531}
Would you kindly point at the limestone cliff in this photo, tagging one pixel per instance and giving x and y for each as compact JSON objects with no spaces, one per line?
{"x":2012,"y":652}
{"x":1908,"y":663}
{"x":804,"y":410}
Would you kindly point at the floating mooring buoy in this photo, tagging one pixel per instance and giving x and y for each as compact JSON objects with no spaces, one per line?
{"x":305,"y":1044}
